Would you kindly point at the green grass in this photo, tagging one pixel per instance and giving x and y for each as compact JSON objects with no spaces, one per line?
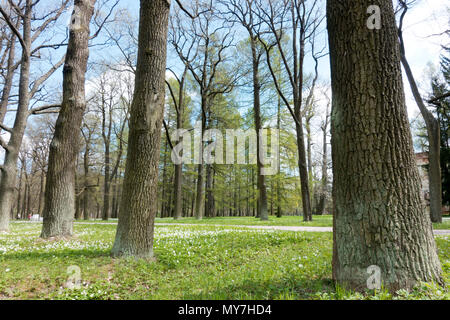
{"x":192,"y":262}
{"x":445,"y":225}
{"x":318,"y":221}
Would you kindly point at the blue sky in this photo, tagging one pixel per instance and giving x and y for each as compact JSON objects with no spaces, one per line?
{"x":427,"y":18}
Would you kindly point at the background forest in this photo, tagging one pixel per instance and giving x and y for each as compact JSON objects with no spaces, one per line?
{"x":209,"y":58}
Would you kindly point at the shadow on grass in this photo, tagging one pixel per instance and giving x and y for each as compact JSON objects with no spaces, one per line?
{"x":267,"y":290}
{"x":66,"y":254}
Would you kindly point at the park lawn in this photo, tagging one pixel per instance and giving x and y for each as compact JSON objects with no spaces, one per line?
{"x":318,"y":221}
{"x":192,"y":262}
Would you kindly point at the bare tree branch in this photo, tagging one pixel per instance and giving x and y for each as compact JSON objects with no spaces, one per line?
{"x":14,"y":29}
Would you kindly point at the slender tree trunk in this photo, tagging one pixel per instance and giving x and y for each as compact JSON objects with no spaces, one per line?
{"x":379,"y":218}
{"x":9,"y":169}
{"x":138,"y":208}
{"x":324,"y":182}
{"x":114,"y":198}
{"x":434,"y":140}
{"x":87,"y":189}
{"x":107,"y":185}
{"x":41,"y":193}
{"x":302,"y":161}
{"x":209,"y":199}
{"x":178,"y":182}
{"x":78,"y":208}
{"x":169,"y":209}
{"x":279,"y":212}
{"x":192,"y":205}
{"x":261,"y":183}
{"x":19,"y":194}
{"x":178,"y":197}
{"x":200,"y":170}
{"x":309,"y":145}
{"x":59,"y":205}
{"x":27,"y":198}
{"x":199,"y":194}
{"x":119,"y":197}
{"x":163,"y":193}
{"x":303,"y":171}
{"x":78,"y":192}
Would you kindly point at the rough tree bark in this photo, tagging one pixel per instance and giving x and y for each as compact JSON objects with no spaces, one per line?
{"x":379,"y":218}
{"x":59,"y":205}
{"x":138,"y":206}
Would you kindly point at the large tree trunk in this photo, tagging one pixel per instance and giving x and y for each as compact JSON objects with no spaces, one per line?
{"x":138,"y":206}
{"x":379,"y":217}
{"x":59,"y":205}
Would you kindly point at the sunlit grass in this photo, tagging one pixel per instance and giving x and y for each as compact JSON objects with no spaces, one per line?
{"x":318,"y":221}
{"x":192,"y":262}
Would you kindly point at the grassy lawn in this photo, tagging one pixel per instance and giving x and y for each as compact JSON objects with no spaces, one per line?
{"x":318,"y":221}
{"x":192,"y":262}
